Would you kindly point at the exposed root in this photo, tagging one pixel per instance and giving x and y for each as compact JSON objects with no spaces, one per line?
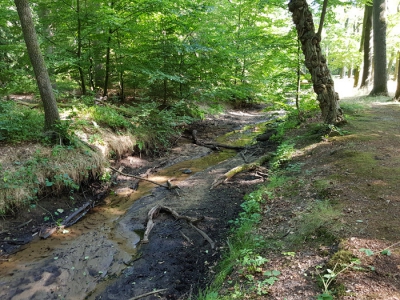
{"x":153,"y":213}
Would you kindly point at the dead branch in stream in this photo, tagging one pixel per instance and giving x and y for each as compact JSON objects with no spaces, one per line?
{"x":213,"y":146}
{"x":69,"y":221}
{"x":169,"y":186}
{"x":153,"y":213}
{"x":241,"y":168}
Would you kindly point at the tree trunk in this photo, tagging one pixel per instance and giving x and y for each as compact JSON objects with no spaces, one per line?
{"x":42,"y":77}
{"x":366,"y":45}
{"x":315,"y":62}
{"x":356,"y":76}
{"x":79,"y":53}
{"x":396,"y":71}
{"x":379,"y":27}
{"x":397,"y":94}
{"x":107,"y":75}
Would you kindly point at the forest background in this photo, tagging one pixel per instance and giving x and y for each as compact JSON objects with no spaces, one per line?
{"x":140,"y":70}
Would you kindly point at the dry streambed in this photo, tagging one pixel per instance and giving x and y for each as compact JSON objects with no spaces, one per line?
{"x":102,"y":257}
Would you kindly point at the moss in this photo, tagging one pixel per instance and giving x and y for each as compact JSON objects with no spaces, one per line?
{"x":340,"y":260}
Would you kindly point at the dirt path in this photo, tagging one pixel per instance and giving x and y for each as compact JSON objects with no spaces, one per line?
{"x":101,"y":257}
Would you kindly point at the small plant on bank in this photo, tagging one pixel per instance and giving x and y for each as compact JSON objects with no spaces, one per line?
{"x":340,"y":262}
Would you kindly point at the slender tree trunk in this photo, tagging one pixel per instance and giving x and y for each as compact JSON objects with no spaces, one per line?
{"x":396,"y":71}
{"x":397,"y":94}
{"x":315,"y":62}
{"x":356,"y":76}
{"x":42,"y":77}
{"x":298,"y":80}
{"x":107,"y":71}
{"x":79,"y":53}
{"x":379,"y":27}
{"x":366,"y":46}
{"x":392,"y":60}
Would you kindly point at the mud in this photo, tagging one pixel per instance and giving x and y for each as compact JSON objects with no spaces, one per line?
{"x":101,"y":257}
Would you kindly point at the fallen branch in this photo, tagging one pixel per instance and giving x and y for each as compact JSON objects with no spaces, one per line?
{"x":69,"y":221}
{"x":24,"y":224}
{"x":192,"y":221}
{"x":245,"y":167}
{"x":204,"y":235}
{"x":148,"y":294}
{"x":145,"y":179}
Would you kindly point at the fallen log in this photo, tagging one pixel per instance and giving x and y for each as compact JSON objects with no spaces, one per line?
{"x":245,"y":167}
{"x":153,"y":213}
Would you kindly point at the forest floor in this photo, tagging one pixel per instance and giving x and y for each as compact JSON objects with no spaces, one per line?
{"x":101,"y":256}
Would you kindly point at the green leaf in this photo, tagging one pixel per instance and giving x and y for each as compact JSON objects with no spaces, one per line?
{"x":324,"y":296}
{"x":386,"y":252}
{"x":276,"y":272}
{"x":271,"y":280}
{"x":368,"y":252}
{"x":49,"y":183}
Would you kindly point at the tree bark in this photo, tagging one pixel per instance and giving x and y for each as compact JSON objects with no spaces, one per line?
{"x":397,"y":94}
{"x":379,"y":38}
{"x":42,"y":77}
{"x":315,"y":62}
{"x":366,"y":46}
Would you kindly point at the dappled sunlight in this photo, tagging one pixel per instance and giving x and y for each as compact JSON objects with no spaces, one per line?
{"x":346,"y":90}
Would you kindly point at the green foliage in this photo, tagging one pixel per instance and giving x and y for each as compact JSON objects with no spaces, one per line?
{"x":283,"y":154}
{"x":109,"y":117}
{"x":19,"y":123}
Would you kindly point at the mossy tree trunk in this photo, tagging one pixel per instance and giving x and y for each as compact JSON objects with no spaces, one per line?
{"x":42,"y":76}
{"x":315,"y":62}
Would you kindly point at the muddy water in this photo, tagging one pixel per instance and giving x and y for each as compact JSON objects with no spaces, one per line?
{"x":72,"y":263}
{"x":75,"y":263}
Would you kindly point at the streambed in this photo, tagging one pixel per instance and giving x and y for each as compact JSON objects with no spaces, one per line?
{"x":101,"y":257}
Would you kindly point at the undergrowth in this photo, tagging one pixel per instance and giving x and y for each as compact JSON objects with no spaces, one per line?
{"x":40,"y":166}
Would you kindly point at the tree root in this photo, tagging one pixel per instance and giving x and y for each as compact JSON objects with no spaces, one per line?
{"x":153,"y":213}
{"x":245,"y":167}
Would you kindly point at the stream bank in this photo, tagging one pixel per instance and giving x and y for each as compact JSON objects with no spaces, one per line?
{"x":101,"y":258}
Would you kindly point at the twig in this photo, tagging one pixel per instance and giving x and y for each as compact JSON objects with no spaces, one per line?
{"x":244,"y":158}
{"x":186,"y":237}
{"x":138,"y":177}
{"x":148,"y":294}
{"x":204,"y":235}
{"x":24,"y":224}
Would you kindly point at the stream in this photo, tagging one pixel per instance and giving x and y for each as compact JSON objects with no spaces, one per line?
{"x":101,"y":256}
